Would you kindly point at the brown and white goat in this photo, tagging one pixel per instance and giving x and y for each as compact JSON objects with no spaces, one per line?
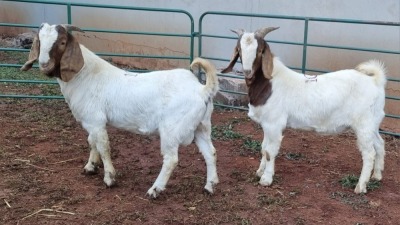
{"x":337,"y":101}
{"x":170,"y":103}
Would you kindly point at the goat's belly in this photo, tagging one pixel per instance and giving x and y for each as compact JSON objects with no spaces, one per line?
{"x":319,"y":128}
{"x":143,"y":129}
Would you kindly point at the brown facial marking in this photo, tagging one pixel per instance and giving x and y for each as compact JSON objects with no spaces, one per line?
{"x":259,"y":84}
{"x":65,"y":55}
{"x":56,"y":52}
{"x":258,"y":81}
{"x":260,"y":88}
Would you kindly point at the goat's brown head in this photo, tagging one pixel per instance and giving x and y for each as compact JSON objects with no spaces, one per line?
{"x":254,"y":53}
{"x":57,"y":51}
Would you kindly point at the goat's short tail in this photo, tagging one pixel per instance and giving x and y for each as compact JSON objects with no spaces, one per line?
{"x":374,"y":68}
{"x":212,"y":86}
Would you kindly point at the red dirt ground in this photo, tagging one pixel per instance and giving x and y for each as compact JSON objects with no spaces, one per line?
{"x":43,"y":151}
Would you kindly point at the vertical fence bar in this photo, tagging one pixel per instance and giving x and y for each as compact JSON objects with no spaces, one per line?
{"x":193,"y":35}
{"x":304,"y":61}
{"x":69,"y":13}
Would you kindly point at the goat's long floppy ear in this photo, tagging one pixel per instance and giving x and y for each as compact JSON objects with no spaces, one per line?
{"x":72,"y":59}
{"x":267,"y":62}
{"x":267,"y":56}
{"x":235,"y":56}
{"x":232,"y":62}
{"x":33,"y":54}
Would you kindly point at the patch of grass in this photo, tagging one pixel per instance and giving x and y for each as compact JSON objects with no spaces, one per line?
{"x":264,"y":200}
{"x":350,"y":181}
{"x":225,"y":132}
{"x":253,"y":145}
{"x":15,"y":57}
{"x":50,"y":89}
{"x":15,"y":74}
{"x":294,"y":156}
{"x":356,"y":201}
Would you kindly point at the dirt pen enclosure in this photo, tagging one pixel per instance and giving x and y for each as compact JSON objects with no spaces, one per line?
{"x":43,"y":151}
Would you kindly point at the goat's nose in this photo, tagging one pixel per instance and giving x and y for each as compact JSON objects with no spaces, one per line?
{"x":44,"y":65}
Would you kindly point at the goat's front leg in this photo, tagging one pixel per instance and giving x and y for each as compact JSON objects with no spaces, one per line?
{"x":270,"y":149}
{"x":98,"y":140}
{"x":92,"y":166}
{"x":170,"y":161}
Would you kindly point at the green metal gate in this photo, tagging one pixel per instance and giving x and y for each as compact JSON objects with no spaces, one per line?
{"x":69,"y":7}
{"x":191,"y":35}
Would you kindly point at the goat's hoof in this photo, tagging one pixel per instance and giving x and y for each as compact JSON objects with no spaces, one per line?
{"x":265,"y":181}
{"x":209,"y":188}
{"x":109,"y":180}
{"x":259,"y":173}
{"x":93,"y":171}
{"x":360,"y":190}
{"x":377,"y":176}
{"x":153,"y":192}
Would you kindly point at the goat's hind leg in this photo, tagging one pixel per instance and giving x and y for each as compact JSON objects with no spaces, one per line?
{"x":170,"y":161}
{"x":366,"y":147}
{"x":379,"y":146}
{"x":203,"y":141}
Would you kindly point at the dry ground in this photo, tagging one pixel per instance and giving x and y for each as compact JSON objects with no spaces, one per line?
{"x":43,"y":151}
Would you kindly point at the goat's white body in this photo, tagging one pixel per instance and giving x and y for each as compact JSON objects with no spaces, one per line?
{"x":170,"y":103}
{"x":136,"y":102}
{"x":331,"y":103}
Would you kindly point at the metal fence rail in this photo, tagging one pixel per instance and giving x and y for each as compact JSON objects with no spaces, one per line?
{"x":305,"y":44}
{"x":69,"y":7}
{"x":192,"y":35}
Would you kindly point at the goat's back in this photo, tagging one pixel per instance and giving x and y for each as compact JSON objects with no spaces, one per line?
{"x":329,"y":104}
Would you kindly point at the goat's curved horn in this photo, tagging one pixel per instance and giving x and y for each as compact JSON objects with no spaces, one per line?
{"x":264,"y":31}
{"x":239,"y":32}
{"x":70,"y":27}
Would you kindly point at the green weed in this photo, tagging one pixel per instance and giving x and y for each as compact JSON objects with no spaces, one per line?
{"x":225,"y":132}
{"x":294,"y":156}
{"x":253,"y":145}
{"x":350,"y":181}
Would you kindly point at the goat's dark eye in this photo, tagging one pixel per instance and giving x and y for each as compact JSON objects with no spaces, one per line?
{"x":63,"y":43}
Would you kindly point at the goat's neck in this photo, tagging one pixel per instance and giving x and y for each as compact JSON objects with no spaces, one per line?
{"x":93,"y":63}
{"x":93,"y":69}
{"x":281,"y":71}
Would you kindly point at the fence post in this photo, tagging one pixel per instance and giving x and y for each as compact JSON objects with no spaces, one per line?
{"x":304,"y":61}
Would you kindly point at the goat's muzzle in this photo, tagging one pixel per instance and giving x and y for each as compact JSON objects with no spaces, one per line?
{"x":248,"y":74}
{"x":46,"y":68}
